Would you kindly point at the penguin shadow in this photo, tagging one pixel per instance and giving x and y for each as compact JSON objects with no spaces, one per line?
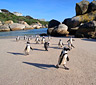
{"x":38,"y":49}
{"x":16,"y":53}
{"x":55,"y":47}
{"x":42,"y":66}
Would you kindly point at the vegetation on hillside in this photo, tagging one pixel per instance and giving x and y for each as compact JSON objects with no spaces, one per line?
{"x":16,"y":19}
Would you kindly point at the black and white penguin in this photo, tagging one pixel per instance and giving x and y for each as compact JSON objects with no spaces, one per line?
{"x":17,"y":38}
{"x":25,"y":37}
{"x":70,"y":41}
{"x":37,"y":40}
{"x":27,"y":48}
{"x":60,"y":44}
{"x":63,"y":58}
{"x":46,"y":45}
{"x":43,"y":40}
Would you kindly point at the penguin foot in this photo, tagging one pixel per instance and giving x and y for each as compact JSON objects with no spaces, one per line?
{"x":66,"y":68}
{"x":57,"y":66}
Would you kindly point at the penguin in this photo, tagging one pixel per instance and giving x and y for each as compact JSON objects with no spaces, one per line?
{"x":63,"y":58}
{"x":70,"y":41}
{"x":29,"y":39}
{"x":25,"y":37}
{"x":17,"y":38}
{"x":43,"y":40}
{"x":60,"y":44}
{"x":37,"y":40}
{"x":46,"y":45}
{"x":27,"y":48}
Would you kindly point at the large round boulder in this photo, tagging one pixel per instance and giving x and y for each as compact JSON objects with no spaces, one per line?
{"x":8,"y":22}
{"x":16,"y":26}
{"x":53,"y":23}
{"x":82,"y":7}
{"x":4,"y":28}
{"x":61,"y":30}
{"x":71,"y":22}
{"x":87,"y":30}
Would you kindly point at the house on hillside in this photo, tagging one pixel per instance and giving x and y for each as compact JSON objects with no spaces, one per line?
{"x":17,"y":14}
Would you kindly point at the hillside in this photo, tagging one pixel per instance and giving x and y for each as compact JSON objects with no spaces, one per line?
{"x":5,"y":16}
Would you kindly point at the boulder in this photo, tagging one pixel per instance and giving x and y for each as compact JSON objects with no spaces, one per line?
{"x":92,"y":6}
{"x":82,"y":7}
{"x":16,"y":26}
{"x":23,"y":22}
{"x":77,"y":20}
{"x":61,"y":30}
{"x":49,"y":31}
{"x":4,"y":28}
{"x":28,"y":27}
{"x":8,"y":22}
{"x":53,"y":23}
{"x":0,"y":23}
{"x":71,"y":22}
{"x":87,"y":30}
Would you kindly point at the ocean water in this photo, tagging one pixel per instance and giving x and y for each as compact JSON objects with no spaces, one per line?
{"x":23,"y":32}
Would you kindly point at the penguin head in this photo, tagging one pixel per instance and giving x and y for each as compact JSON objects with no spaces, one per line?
{"x":28,"y":42}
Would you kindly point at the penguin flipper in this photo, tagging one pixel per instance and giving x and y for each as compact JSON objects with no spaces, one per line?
{"x":31,"y":48}
{"x":25,"y":48}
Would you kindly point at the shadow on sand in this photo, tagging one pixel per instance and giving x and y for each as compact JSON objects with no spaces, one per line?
{"x":42,"y":66}
{"x":93,"y":40}
{"x":38,"y":49}
{"x":55,"y":47}
{"x":16,"y":53}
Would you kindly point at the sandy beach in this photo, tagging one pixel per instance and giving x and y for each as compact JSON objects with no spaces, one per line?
{"x":38,"y":68}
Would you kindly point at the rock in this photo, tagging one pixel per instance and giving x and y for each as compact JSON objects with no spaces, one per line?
{"x":23,"y":22}
{"x":71,"y":22}
{"x":43,"y":34}
{"x":16,"y":26}
{"x":87,"y":30}
{"x":8,"y":22}
{"x":53,"y":23}
{"x":4,"y":28}
{"x":77,"y":20}
{"x":92,"y":6}
{"x":28,"y":27}
{"x":49,"y":31}
{"x":61,"y":30}
{"x":0,"y":23}
{"x":82,"y":7}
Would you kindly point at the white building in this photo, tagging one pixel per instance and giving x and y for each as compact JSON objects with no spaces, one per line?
{"x":17,"y":13}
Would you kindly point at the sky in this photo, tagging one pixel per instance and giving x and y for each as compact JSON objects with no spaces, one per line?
{"x":42,"y":9}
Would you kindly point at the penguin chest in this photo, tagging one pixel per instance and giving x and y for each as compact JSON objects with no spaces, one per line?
{"x":28,"y":49}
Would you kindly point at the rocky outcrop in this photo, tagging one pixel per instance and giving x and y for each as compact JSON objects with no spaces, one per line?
{"x":87,"y":30}
{"x":26,"y":25}
{"x":60,"y":30}
{"x":82,"y":7}
{"x":4,"y":28}
{"x":53,"y":23}
{"x":16,"y":26}
{"x":92,"y":6}
{"x":8,"y":22}
{"x":0,"y":23}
